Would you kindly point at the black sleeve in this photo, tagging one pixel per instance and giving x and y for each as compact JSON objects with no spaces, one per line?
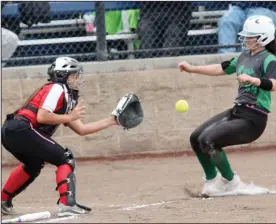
{"x":229,"y":67}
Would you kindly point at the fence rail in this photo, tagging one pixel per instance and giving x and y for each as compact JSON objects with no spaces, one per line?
{"x":120,"y":30}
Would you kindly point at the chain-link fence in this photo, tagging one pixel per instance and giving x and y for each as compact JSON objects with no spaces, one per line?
{"x":91,"y":31}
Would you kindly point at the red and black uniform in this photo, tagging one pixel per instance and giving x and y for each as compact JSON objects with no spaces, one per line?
{"x":31,"y":143}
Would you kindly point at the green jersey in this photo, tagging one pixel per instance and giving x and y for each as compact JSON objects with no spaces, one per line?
{"x":260,"y":65}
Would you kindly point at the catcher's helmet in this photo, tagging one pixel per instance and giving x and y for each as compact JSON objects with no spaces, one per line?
{"x":62,"y":68}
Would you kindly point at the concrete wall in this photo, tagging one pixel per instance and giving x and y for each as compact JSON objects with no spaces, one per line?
{"x":158,"y":83}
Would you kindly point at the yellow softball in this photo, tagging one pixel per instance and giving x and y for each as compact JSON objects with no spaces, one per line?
{"x":181,"y":106}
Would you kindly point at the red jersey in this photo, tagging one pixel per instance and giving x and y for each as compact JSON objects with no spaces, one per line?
{"x":50,"y":97}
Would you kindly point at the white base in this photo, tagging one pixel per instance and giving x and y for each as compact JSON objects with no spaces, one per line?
{"x":246,"y":189}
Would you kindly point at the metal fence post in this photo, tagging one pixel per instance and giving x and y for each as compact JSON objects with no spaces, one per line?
{"x":100,"y":32}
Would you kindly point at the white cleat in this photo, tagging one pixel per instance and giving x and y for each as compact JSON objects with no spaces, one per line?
{"x":65,"y":210}
{"x":210,"y":186}
{"x":219,"y":187}
{"x":230,"y":187}
{"x":222,"y":187}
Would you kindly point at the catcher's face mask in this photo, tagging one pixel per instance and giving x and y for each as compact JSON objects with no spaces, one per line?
{"x":75,"y":81}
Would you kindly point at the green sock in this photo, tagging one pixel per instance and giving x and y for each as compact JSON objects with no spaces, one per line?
{"x":207,"y":165}
{"x":222,"y":163}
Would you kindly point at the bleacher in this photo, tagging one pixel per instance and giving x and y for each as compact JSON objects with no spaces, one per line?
{"x":66,"y":17}
{"x":65,"y":20}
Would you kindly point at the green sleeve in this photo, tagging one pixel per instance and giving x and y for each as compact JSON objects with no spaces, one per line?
{"x":229,"y":67}
{"x":270,"y":66}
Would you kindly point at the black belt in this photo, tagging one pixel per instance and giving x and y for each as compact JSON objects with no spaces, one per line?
{"x":253,"y":107}
{"x":21,"y":118}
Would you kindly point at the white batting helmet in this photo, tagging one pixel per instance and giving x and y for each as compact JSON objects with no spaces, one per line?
{"x":259,"y":26}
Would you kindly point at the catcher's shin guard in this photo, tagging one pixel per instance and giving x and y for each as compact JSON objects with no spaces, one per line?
{"x":21,"y":177}
{"x":66,"y":182}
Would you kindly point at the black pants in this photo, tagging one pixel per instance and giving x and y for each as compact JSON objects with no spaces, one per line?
{"x":239,"y":125}
{"x":29,"y":146}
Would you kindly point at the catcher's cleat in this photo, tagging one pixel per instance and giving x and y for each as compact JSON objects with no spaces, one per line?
{"x":7,"y":208}
{"x":66,"y":210}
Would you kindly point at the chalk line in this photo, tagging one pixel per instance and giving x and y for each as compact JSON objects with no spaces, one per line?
{"x":144,"y":205}
{"x":56,"y":219}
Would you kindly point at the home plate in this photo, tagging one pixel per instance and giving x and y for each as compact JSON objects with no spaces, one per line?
{"x":244,"y":189}
{"x":252,"y":189}
{"x":248,"y":189}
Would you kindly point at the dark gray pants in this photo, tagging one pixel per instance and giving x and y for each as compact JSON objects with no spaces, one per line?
{"x":235,"y":126}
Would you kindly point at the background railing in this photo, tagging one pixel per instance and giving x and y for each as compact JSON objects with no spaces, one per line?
{"x":91,"y":31}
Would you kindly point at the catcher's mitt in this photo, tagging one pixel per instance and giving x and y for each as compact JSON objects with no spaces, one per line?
{"x":129,"y":112}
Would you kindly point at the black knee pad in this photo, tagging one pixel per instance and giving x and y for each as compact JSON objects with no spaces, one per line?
{"x":33,"y":170}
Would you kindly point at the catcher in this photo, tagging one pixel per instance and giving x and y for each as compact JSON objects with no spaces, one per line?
{"x":27,"y":133}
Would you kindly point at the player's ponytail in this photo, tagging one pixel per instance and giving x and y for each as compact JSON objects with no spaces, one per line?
{"x":271,"y":47}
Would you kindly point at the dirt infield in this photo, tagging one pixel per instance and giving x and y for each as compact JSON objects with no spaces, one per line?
{"x":152,"y":190}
